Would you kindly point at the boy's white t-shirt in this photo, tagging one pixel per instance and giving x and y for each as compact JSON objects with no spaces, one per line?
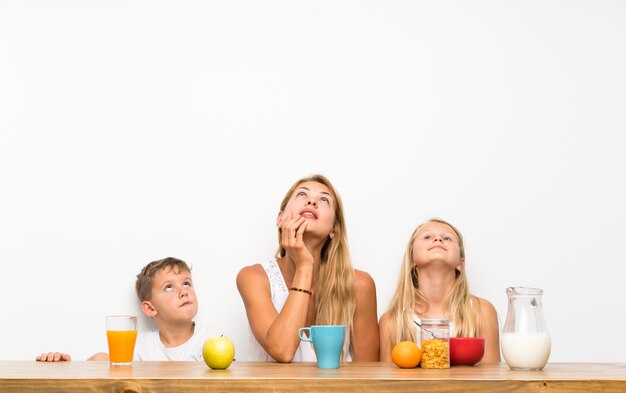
{"x":149,"y":346}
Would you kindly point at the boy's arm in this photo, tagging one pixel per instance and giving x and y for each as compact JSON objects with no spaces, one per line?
{"x":99,"y":356}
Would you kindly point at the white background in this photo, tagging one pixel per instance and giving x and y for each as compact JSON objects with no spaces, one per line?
{"x":136,"y":130}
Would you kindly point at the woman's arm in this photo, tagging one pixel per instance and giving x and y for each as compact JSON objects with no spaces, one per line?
{"x":490,"y":330}
{"x":365,"y":325}
{"x":276,"y":332}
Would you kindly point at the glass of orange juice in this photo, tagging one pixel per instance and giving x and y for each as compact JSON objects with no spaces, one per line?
{"x":121,"y":336}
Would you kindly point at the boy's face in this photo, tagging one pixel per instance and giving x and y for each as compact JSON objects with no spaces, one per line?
{"x":173,"y":298}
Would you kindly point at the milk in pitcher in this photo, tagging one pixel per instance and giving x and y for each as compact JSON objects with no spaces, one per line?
{"x":526,"y":351}
{"x":526,"y":341}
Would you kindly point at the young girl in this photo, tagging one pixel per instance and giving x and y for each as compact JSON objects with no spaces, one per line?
{"x":433,"y":285}
{"x":310,"y":282}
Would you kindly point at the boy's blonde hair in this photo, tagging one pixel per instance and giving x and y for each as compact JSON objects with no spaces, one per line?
{"x":143,"y":285}
{"x":335,"y":296}
{"x":464,"y":314}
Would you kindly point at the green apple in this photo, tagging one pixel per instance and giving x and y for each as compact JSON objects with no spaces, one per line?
{"x":218,"y":352}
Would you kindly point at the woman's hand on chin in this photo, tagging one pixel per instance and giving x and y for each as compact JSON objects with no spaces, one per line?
{"x":292,"y":240}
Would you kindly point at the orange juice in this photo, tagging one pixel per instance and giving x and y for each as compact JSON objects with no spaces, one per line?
{"x":121,"y":345}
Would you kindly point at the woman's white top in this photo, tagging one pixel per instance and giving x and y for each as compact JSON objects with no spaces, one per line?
{"x":280,"y":292}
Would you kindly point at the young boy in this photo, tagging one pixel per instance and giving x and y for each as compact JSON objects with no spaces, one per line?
{"x":166,"y":292}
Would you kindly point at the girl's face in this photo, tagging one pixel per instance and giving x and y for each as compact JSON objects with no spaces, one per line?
{"x":314,"y":202}
{"x":437,"y":243}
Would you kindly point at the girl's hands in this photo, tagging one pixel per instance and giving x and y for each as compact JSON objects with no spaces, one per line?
{"x":293,"y":227}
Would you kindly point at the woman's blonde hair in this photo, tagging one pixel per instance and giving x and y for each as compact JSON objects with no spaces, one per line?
{"x":335,"y":295}
{"x":408,"y":298}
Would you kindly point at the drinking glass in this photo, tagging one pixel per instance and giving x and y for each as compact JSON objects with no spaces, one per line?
{"x":121,"y":336}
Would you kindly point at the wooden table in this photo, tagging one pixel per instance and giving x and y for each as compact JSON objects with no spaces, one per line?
{"x":26,"y":376}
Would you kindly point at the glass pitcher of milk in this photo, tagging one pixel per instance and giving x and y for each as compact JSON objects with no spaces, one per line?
{"x":526,"y":342}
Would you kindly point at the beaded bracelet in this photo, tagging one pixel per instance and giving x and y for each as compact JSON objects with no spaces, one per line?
{"x":301,"y":290}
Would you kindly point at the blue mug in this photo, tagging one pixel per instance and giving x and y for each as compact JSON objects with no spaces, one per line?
{"x":327,"y":342}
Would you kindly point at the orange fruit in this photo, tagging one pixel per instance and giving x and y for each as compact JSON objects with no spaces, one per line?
{"x":406,"y":354}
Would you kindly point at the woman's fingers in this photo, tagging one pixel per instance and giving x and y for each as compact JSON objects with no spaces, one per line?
{"x":289,"y":230}
{"x":300,"y":233}
{"x":285,"y":231}
{"x":292,"y":238}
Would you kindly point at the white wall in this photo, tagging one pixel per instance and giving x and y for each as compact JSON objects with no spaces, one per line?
{"x":135,"y":130}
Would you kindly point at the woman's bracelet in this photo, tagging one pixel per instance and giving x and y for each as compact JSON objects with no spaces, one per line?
{"x":301,"y":290}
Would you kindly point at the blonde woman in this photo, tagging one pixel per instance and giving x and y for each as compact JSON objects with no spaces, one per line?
{"x":433,"y":285}
{"x":310,"y":281}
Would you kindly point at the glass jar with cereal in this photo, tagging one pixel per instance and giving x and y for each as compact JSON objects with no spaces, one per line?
{"x":435,"y":338}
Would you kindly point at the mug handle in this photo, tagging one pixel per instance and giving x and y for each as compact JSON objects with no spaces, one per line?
{"x":304,"y":338}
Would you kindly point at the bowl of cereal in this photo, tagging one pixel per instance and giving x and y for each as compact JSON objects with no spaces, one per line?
{"x":466,"y":351}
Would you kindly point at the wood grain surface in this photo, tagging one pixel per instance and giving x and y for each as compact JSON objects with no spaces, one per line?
{"x":82,"y":376}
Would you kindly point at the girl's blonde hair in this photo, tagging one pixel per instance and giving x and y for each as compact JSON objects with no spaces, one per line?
{"x":408,"y":297}
{"x":335,"y":295}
